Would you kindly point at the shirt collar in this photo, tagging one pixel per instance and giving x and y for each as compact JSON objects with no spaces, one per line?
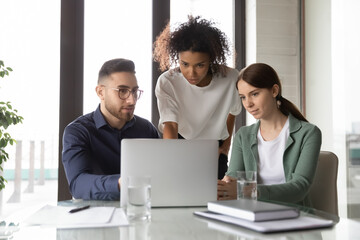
{"x":100,"y":120}
{"x":294,"y":123}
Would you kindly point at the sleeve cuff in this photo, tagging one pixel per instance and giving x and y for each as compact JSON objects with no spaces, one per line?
{"x":263,"y":192}
{"x":112,"y":183}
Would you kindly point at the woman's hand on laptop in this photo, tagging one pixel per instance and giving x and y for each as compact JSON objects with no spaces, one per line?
{"x":226,"y":188}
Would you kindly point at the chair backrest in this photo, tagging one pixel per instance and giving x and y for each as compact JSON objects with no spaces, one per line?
{"x":323,"y":191}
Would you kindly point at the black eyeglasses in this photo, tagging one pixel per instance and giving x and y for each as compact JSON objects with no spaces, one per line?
{"x":124,"y":93}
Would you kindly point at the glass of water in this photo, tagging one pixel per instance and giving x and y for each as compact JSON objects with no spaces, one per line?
{"x":246,"y":185}
{"x":139,"y":198}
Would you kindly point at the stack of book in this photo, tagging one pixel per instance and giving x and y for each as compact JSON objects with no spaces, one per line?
{"x":261,"y":216}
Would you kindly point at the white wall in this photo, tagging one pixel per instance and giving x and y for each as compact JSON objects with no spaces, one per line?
{"x":318,"y":67}
{"x":273,"y":37}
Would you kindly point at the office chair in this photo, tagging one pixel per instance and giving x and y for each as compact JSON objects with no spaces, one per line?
{"x":323,"y":191}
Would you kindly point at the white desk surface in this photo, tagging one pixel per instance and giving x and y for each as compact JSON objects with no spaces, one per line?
{"x":180,"y":223}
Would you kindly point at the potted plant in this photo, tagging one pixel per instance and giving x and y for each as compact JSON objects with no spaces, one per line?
{"x":8,"y":116}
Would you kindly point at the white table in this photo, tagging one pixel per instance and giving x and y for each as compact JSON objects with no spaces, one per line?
{"x":180,"y":223}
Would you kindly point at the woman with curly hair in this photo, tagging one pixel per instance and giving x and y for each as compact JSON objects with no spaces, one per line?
{"x":197,"y":99}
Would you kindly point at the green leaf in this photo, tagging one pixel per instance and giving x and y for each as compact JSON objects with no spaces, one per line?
{"x":9,"y":105}
{"x":2,"y":182}
{"x":2,"y":143}
{"x":2,"y":152}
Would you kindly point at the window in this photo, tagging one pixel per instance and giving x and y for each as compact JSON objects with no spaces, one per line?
{"x":118,"y":29}
{"x":29,"y":44}
{"x":345,"y":96}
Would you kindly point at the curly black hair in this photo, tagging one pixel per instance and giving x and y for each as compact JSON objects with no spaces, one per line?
{"x":197,"y":35}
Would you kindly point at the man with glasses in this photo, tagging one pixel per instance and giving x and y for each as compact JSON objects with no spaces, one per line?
{"x":91,"y":143}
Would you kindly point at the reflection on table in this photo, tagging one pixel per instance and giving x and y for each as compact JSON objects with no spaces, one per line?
{"x":180,"y":223}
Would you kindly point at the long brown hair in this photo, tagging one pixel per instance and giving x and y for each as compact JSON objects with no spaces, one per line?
{"x":261,"y":75}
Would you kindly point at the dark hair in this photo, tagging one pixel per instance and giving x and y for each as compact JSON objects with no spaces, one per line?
{"x":197,"y":35}
{"x":261,"y":75}
{"x":116,"y":65}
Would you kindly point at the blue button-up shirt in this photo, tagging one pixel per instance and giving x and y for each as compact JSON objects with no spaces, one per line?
{"x":91,"y":154}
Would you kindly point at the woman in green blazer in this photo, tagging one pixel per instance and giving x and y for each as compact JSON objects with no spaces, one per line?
{"x":282,"y":146}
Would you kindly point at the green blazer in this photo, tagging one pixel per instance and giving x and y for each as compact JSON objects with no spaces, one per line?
{"x":300,"y":160}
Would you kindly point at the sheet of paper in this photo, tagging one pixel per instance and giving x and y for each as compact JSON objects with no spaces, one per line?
{"x":302,"y":222}
{"x":59,"y":216}
{"x":118,"y":219}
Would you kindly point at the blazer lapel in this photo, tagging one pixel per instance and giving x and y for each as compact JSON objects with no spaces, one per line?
{"x":294,"y":125}
{"x":254,"y":147}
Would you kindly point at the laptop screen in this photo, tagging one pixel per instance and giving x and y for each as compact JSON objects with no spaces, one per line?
{"x":183,"y":172}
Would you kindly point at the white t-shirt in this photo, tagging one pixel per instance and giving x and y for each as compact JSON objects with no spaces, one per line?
{"x":200,"y":112}
{"x":270,"y":165}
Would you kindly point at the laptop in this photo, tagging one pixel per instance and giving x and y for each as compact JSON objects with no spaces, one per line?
{"x":183,"y":172}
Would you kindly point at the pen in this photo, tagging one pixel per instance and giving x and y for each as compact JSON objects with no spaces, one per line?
{"x":79,"y":209}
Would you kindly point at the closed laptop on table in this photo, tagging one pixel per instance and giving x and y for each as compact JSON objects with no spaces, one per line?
{"x":183,"y":172}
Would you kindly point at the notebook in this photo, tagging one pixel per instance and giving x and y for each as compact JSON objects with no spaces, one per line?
{"x":253,"y":210}
{"x":306,"y":221}
{"x":183,"y":172}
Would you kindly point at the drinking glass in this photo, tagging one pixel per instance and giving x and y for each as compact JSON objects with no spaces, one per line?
{"x":139,"y":198}
{"x":246,"y":185}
